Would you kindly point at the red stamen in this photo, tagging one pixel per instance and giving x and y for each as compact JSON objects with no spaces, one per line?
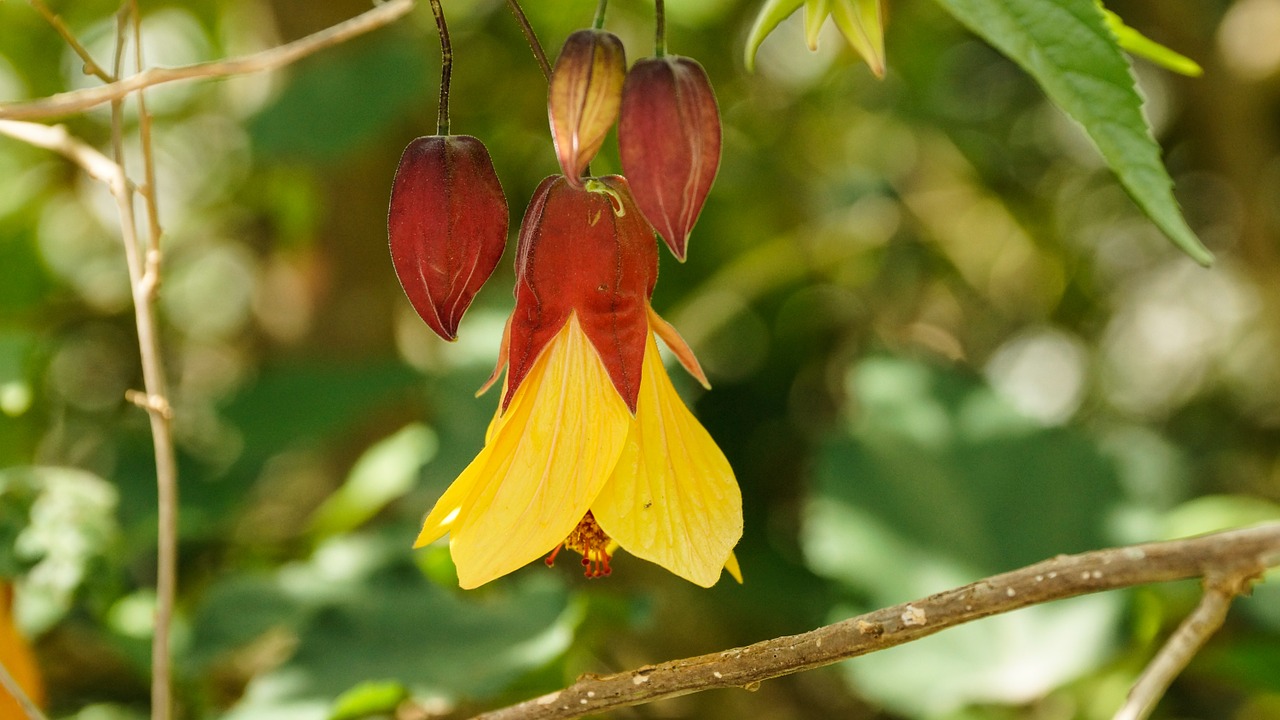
{"x":551,"y":559}
{"x":589,"y":539}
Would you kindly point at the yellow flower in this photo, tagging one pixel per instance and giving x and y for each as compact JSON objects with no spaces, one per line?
{"x":582,"y":453}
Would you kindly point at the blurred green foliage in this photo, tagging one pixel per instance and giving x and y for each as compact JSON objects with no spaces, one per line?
{"x":943,"y":342}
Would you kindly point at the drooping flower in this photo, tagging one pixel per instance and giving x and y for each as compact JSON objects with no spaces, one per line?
{"x":669,"y":143}
{"x":583,"y":97}
{"x":447,"y":226}
{"x":591,"y":448}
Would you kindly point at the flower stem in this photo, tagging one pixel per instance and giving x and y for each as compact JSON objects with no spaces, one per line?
{"x":446,"y":68}
{"x":598,"y":23}
{"x":660,"y":31}
{"x":532,"y":39}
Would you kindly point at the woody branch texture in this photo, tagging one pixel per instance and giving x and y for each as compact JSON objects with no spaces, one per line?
{"x":1239,"y":555}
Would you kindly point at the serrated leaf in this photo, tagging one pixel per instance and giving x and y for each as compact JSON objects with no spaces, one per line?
{"x":862,"y":24}
{"x":1135,"y":43}
{"x":773,"y":12}
{"x":1066,"y":46}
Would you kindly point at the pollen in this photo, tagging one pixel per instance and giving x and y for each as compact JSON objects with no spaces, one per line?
{"x":589,"y":540}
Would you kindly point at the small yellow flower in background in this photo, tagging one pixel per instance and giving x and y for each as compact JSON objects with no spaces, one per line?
{"x":591,"y":448}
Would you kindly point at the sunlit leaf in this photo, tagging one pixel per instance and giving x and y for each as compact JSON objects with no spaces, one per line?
{"x":384,"y":473}
{"x":1066,"y":46}
{"x":369,"y":698}
{"x":69,"y":527}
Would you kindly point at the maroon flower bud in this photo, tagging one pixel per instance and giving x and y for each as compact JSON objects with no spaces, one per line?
{"x":583,"y":97}
{"x":447,"y":226}
{"x":669,"y":140}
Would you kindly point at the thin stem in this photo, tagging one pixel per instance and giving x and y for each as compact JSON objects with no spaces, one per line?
{"x":598,"y":22}
{"x":155,"y":401}
{"x":11,"y":685}
{"x":76,"y":101}
{"x":1178,"y":650}
{"x":446,"y":68}
{"x":90,"y":66}
{"x":660,"y":28}
{"x":531,"y":38}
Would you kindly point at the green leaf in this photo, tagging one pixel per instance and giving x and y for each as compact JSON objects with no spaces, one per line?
{"x":1066,"y":46}
{"x":384,"y":473}
{"x":773,"y":12}
{"x":1135,"y":43}
{"x":369,"y":698}
{"x":939,"y":482}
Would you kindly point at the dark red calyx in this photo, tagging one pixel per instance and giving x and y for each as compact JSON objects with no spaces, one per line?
{"x":586,"y":250}
{"x":447,"y":226}
{"x":669,"y":142}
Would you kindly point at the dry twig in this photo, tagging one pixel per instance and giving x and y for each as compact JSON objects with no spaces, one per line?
{"x":1241,"y":554}
{"x":78,"y":101}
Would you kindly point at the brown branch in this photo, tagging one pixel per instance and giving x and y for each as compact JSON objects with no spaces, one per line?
{"x":1237,"y":553}
{"x":78,"y":101}
{"x":1185,"y":642}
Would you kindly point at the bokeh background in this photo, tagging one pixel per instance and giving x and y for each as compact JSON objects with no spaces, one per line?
{"x":942,"y":340}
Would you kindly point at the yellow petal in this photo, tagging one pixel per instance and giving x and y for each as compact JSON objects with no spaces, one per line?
{"x":672,"y":499}
{"x":546,"y":459}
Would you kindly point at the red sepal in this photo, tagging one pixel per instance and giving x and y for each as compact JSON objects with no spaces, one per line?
{"x":588,"y":251}
{"x":669,"y":143}
{"x":447,"y":226}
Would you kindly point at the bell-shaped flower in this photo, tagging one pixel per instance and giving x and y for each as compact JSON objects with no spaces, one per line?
{"x":583,"y":97}
{"x":591,"y":448}
{"x":669,"y":142}
{"x":447,"y":226}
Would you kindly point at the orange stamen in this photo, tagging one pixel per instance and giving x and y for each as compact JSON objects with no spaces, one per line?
{"x":589,"y":540}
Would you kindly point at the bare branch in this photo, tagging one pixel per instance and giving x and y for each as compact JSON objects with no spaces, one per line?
{"x":77,"y":101}
{"x":1237,"y":553}
{"x":91,"y":67}
{"x":57,"y":139}
{"x":1185,"y":642}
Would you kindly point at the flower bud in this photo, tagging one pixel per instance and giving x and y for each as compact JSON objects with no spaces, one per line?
{"x":669,"y":141}
{"x":447,"y":226}
{"x":583,"y":97}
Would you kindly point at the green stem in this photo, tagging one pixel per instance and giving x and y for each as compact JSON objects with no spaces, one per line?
{"x":532,"y":39}
{"x":598,"y":23}
{"x":446,"y":68}
{"x":660,"y":32}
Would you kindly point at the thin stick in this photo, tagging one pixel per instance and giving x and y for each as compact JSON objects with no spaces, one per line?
{"x":144,"y":273}
{"x":446,"y":68}
{"x":529,"y":37}
{"x":78,"y":101}
{"x":11,"y":685}
{"x":1239,"y":553}
{"x":90,"y":66}
{"x":598,"y":22}
{"x":660,"y":28}
{"x":1177,"y":652}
